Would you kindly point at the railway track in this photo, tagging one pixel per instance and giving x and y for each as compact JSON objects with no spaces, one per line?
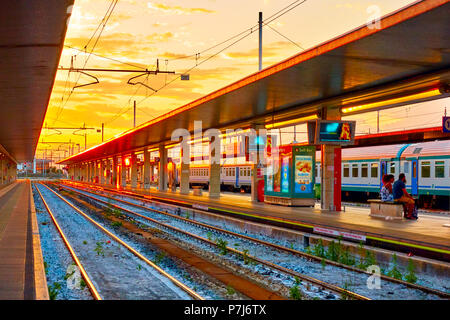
{"x":171,"y":229}
{"x":424,"y":289}
{"x":316,"y":282}
{"x":96,"y":291}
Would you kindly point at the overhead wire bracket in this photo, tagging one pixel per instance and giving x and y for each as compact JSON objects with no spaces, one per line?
{"x":140,"y":82}
{"x":86,"y":84}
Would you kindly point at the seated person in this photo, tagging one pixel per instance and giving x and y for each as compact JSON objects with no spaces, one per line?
{"x":401,"y":195}
{"x":386,"y":190}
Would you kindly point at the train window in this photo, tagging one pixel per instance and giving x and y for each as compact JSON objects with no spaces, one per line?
{"x":364,"y":170}
{"x":425,"y":169}
{"x":392,"y":167}
{"x":355,"y":170}
{"x":317,"y":171}
{"x":374,"y":170}
{"x":439,"y":169}
{"x":346,"y":171}
{"x":406,"y":167}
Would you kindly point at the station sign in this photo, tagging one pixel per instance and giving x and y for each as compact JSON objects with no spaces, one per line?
{"x":446,"y":124}
{"x":334,"y":132}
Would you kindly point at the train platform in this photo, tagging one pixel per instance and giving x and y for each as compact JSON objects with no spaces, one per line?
{"x":22,"y":274}
{"x":429,"y":236}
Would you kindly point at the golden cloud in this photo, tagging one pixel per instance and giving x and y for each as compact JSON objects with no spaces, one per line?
{"x":177,"y":9}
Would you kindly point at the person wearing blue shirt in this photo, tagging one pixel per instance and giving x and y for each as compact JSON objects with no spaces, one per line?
{"x":401,"y":195}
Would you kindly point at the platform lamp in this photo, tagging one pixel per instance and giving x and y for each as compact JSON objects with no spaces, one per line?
{"x":416,"y":97}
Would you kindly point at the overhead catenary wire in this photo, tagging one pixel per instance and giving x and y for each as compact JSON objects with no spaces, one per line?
{"x":101,"y":25}
{"x":109,"y":58}
{"x":276,"y":31}
{"x":241,"y":35}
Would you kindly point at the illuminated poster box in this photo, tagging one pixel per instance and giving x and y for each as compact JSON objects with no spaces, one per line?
{"x":291,"y":175}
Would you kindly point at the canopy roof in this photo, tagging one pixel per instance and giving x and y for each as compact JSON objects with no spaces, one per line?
{"x":409,"y":53}
{"x":31,"y":40}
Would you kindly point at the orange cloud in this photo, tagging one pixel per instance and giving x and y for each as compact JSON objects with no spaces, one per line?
{"x":177,"y":9}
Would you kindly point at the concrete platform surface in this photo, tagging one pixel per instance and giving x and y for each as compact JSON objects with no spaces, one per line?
{"x":22,"y":273}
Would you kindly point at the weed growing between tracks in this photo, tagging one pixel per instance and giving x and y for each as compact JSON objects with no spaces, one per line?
{"x":139,"y":235}
{"x":334,"y":252}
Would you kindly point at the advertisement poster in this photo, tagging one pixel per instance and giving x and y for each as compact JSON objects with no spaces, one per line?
{"x":269,"y":182}
{"x":303,"y":174}
{"x":276,"y":178}
{"x":285,"y":175}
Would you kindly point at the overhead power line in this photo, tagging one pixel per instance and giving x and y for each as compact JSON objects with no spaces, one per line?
{"x":101,"y":25}
{"x":245,"y":34}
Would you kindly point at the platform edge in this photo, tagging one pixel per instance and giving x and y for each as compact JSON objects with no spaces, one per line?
{"x":40,"y":279}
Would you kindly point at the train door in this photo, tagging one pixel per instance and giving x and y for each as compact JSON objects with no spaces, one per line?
{"x":237,"y":177}
{"x":414,"y":177}
{"x":383,"y":171}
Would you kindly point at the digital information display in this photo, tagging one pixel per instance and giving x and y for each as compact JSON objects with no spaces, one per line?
{"x":331,"y":132}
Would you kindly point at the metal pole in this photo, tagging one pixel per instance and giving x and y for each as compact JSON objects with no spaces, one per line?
{"x":260,"y":40}
{"x":134,"y":114}
{"x":378,"y":121}
{"x":43,"y":161}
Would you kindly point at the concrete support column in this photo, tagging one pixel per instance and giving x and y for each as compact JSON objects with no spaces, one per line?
{"x":89,"y":166}
{"x":331,"y":169}
{"x":214,"y":167}
{"x":114,"y":171}
{"x":133,"y":170}
{"x":93,"y":171}
{"x":108,"y":172}
{"x":85,"y":172}
{"x":185,"y":156}
{"x":146,"y":169}
{"x":1,"y":171}
{"x":123,"y":173}
{"x":162,"y":172}
{"x":255,"y":157}
{"x":102,"y":172}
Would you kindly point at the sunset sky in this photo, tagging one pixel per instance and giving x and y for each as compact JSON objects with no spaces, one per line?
{"x":139,"y":32}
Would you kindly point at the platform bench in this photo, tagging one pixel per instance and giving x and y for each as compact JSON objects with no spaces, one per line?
{"x":388,"y":210}
{"x":197,"y":190}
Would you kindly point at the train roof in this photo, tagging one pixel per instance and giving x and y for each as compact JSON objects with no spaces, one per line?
{"x":376,"y":152}
{"x":427,"y":149}
{"x":423,"y":149}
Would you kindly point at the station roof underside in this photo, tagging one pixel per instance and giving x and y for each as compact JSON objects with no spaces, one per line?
{"x":409,"y":53}
{"x":31,"y":40}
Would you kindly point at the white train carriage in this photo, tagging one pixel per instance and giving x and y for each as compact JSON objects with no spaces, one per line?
{"x":426,"y":166}
{"x":232,"y":176}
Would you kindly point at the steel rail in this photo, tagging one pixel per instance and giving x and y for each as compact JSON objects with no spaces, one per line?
{"x":312,"y":280}
{"x":83,"y":272}
{"x":436,"y":292}
{"x":179,"y":284}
